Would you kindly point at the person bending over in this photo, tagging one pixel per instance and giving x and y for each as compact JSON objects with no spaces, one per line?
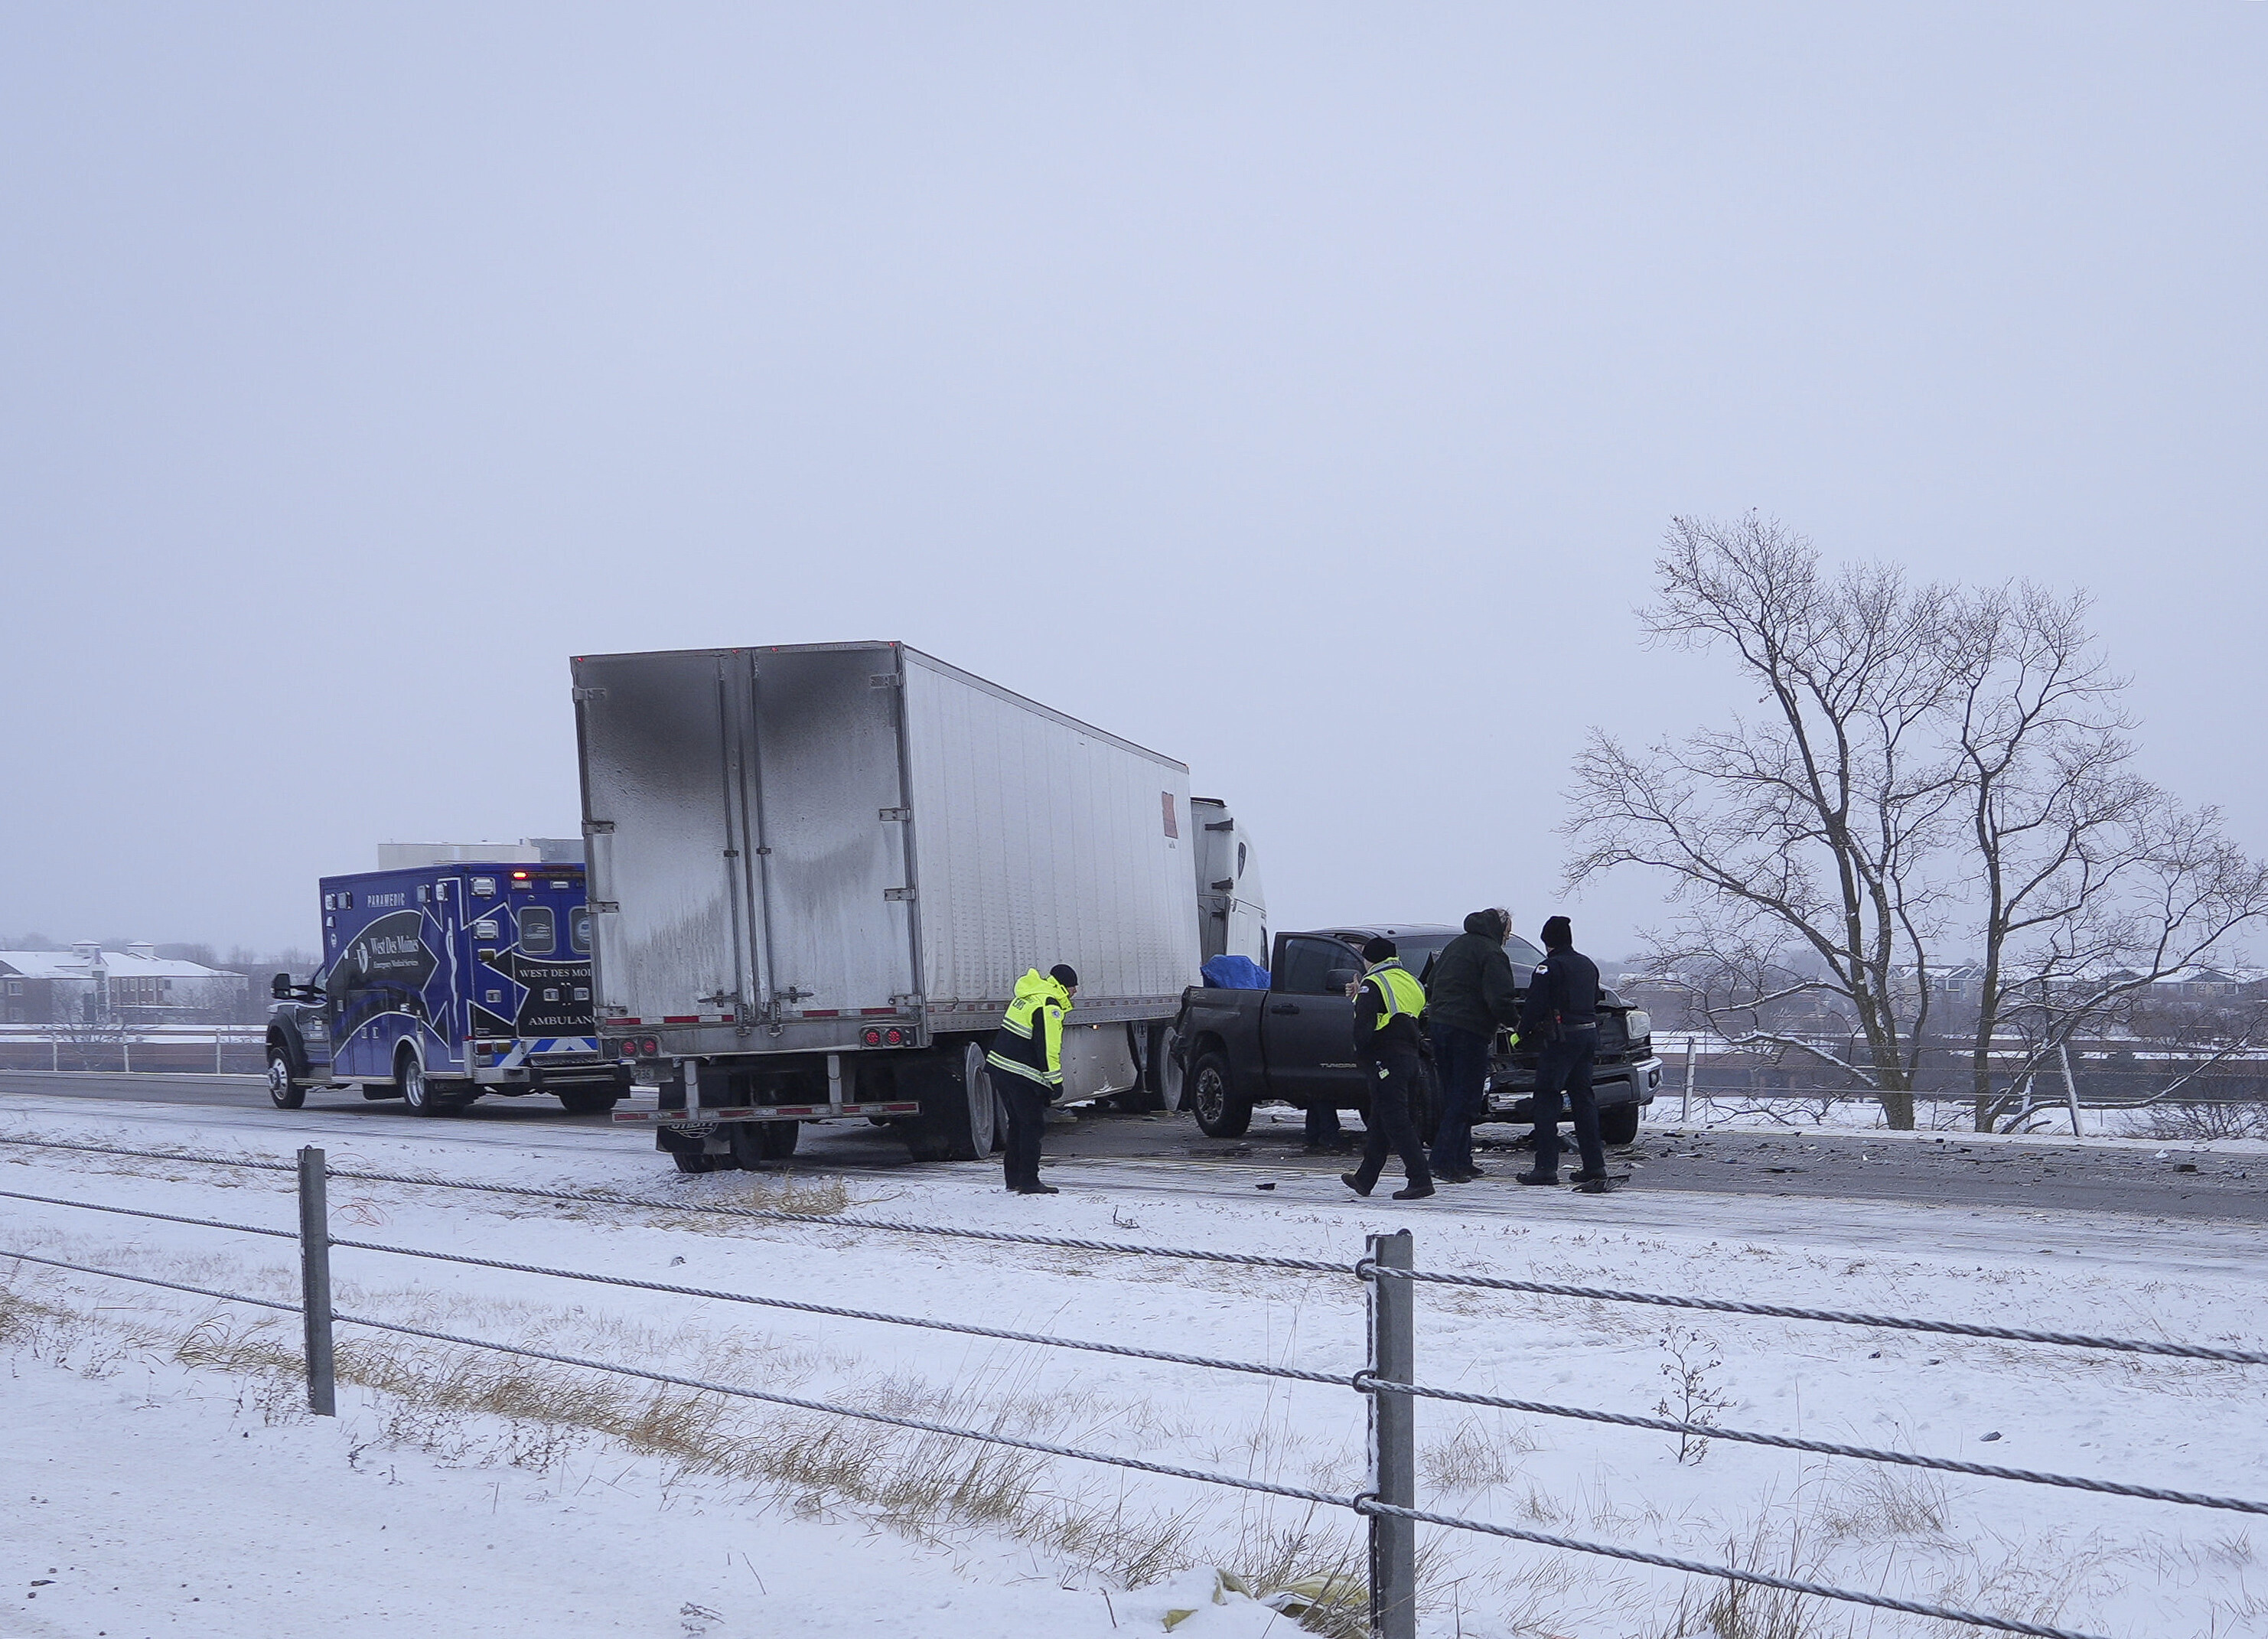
{"x":1025,"y":1064}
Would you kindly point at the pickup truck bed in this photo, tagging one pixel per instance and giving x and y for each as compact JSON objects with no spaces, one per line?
{"x":1293,"y":1043}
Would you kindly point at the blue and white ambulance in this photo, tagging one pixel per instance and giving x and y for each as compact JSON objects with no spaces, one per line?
{"x":443,"y":982}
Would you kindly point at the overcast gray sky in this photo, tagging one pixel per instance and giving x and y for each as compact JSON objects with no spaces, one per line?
{"x":1300,"y":390}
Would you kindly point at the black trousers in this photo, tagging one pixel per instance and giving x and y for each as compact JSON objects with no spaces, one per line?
{"x":1392,"y":1079}
{"x":1566,"y":1063}
{"x":1461,"y":1058}
{"x":1026,"y":1104}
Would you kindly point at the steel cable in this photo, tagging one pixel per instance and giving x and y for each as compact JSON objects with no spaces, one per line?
{"x":768,"y":1214}
{"x":1731,"y":1573}
{"x":152,"y":1279}
{"x":828,"y":1406}
{"x":1366,"y":1381}
{"x":153,"y":1155}
{"x":163,"y":1217}
{"x":1783,"y":1312}
{"x":1334,"y":1378}
{"x":1356,"y":1504}
{"x":836,"y":1221}
{"x":1838,"y":1317}
{"x":1366,"y":1505}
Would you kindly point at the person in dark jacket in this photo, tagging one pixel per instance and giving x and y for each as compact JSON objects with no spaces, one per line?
{"x":1561,"y":1020}
{"x":1387,"y":1006}
{"x":1469,"y":995}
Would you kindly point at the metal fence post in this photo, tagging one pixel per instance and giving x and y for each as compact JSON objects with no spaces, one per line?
{"x":315,"y":1280}
{"x":1685,"y":1110}
{"x":1393,"y":1442}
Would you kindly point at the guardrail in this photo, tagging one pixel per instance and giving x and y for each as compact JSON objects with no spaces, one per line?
{"x":138,"y":1050}
{"x":1388,"y":1382}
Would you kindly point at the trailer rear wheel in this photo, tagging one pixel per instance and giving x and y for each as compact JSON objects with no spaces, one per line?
{"x":1146,"y":1042}
{"x":699,"y":1163}
{"x":1221,"y":1112}
{"x":958,"y":1110}
{"x":755,"y":1142}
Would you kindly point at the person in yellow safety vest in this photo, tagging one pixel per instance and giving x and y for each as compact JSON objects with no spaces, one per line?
{"x":1387,"y":1006}
{"x":1025,"y":1064}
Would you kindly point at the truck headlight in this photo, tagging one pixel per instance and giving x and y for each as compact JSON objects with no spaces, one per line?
{"x":1640,"y":1024}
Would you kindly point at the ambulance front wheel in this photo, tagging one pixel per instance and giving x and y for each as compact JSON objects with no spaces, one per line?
{"x":282,"y":1090}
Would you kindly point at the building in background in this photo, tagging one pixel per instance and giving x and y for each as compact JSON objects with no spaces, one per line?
{"x":529,"y":850}
{"x":87,"y":984}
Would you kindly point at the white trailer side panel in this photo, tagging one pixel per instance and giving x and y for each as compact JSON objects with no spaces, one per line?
{"x":1039,"y":840}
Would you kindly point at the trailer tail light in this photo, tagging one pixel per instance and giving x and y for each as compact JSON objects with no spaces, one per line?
{"x":893,"y":1038}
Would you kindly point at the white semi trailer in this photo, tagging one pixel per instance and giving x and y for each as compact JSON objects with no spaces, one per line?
{"x":817,"y":870}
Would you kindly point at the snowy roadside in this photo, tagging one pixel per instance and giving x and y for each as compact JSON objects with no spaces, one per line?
{"x":2098,"y":1563}
{"x":150,"y":1498}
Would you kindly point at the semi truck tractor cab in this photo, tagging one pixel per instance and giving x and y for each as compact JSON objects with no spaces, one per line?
{"x":441,"y":983}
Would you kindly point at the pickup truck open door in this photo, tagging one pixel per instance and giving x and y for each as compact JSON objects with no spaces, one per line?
{"x":1308,"y":1027}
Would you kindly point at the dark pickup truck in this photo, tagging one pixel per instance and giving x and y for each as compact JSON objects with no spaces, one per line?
{"x":1293,"y":1043}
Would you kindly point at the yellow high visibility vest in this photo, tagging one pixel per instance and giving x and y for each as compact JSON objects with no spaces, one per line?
{"x":1398,"y":991}
{"x":1029,"y":1042}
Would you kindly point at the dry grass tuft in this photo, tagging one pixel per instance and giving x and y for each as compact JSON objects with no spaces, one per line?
{"x":1476,"y":1457}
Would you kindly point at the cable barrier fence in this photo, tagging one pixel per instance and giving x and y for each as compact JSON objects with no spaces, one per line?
{"x":1388,"y":1384}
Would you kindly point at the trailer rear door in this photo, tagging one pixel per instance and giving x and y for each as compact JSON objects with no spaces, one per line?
{"x":836,"y":909}
{"x":669,"y":923}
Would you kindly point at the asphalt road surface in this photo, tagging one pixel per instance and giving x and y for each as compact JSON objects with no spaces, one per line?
{"x":2122,"y":1176}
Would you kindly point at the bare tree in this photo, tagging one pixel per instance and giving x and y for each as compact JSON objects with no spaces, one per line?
{"x":1810,"y":825}
{"x":1937,"y":769}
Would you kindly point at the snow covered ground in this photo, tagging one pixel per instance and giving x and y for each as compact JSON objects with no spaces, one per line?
{"x":2187,"y":1122}
{"x":163,"y":1478}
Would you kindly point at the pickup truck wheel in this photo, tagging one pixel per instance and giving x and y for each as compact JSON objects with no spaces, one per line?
{"x":283,"y":1092}
{"x":1618,"y":1126}
{"x":1221,"y":1110}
